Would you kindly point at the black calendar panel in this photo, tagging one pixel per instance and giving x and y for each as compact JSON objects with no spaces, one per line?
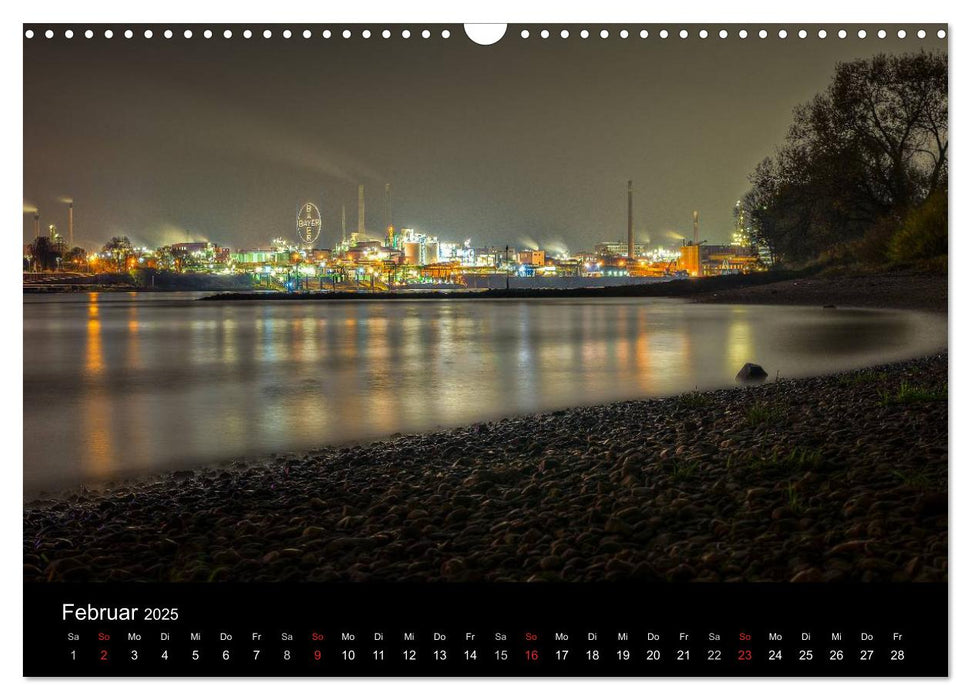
{"x":485,"y":630}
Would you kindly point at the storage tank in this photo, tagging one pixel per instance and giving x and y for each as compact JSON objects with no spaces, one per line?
{"x":412,"y":252}
{"x":431,"y":253}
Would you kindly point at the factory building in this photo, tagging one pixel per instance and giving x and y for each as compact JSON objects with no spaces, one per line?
{"x":535,"y":258}
{"x":707,"y":260}
{"x":611,"y":249}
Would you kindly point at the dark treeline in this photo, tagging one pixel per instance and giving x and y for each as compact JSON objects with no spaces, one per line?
{"x":862,"y":175}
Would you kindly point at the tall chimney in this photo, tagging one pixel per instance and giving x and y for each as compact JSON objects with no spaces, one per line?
{"x":37,"y":224}
{"x":70,"y":224}
{"x":630,"y":219}
{"x":343,"y":223}
{"x":360,"y":209}
{"x":389,"y":226}
{"x":694,"y":216}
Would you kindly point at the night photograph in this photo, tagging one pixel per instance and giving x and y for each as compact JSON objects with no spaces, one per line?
{"x":378,"y":305}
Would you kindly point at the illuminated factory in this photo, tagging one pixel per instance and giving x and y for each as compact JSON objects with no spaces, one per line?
{"x":409,"y":258}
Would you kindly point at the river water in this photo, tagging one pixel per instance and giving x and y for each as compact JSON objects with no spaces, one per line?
{"x":119,"y":384}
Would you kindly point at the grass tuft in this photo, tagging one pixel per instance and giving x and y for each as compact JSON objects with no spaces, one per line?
{"x":681,"y":469}
{"x":798,"y":459}
{"x":915,"y":479}
{"x":792,"y":498}
{"x":857,"y":378}
{"x":695,"y":399}
{"x":911,"y":393}
{"x":763,"y":414}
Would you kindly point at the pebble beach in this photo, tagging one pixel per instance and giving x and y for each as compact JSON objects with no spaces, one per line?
{"x":831,"y":479}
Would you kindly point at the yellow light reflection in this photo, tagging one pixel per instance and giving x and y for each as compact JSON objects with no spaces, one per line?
{"x":94,"y":357}
{"x":738,"y":347}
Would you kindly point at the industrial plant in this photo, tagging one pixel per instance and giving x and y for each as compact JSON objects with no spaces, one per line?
{"x":401,"y":257}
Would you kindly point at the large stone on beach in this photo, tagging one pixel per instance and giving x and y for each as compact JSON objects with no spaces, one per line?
{"x":751,"y":373}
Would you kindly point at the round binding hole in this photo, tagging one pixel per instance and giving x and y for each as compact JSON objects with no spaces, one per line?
{"x":663,"y":34}
{"x":821,"y":33}
{"x":228,"y":34}
{"x":287,"y":34}
{"x":703,"y":34}
{"x":247,"y":34}
{"x":187,"y":33}
{"x":326,"y":34}
{"x":524,"y":34}
{"x":109,"y":34}
{"x":604,"y":34}
{"x":861,"y":33}
{"x":49,"y":33}
{"x":763,"y":34}
{"x":921,"y":33}
{"x":683,"y":34}
{"x":841,"y":33}
{"x":207,"y":34}
{"x":624,"y":34}
{"x":148,"y":33}
{"x":307,"y":34}
{"x":267,"y":33}
{"x":68,"y":34}
{"x":545,"y":34}
{"x":405,"y":34}
{"x":941,"y":34}
{"x":29,"y":34}
{"x":366,"y":34}
{"x":643,"y":34}
{"x":425,"y":34}
{"x":723,"y":34}
{"x":742,"y":34}
{"x":129,"y":33}
{"x":584,"y":34}
{"x":88,"y":34}
{"x":488,"y":34}
{"x":346,"y":34}
{"x":902,"y":34}
{"x":565,"y":34}
{"x":167,"y":34}
{"x":803,"y":34}
{"x":386,"y":34}
{"x":446,"y":34}
{"x":783,"y":33}
{"x":881,"y":34}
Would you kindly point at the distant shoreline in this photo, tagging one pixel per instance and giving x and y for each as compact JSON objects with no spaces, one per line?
{"x":896,"y":290}
{"x":672,"y":288}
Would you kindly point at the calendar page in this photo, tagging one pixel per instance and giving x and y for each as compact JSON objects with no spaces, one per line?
{"x":537,"y":350}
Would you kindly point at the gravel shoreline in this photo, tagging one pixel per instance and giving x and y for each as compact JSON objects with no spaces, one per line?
{"x":836,"y":478}
{"x":898,"y":290}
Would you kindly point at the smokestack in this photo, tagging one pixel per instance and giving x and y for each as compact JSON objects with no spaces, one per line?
{"x":70,"y":224}
{"x":360,"y":209}
{"x":630,"y":219}
{"x":37,"y":224}
{"x":694,"y":216}
{"x":343,"y":223}
{"x":389,"y":226}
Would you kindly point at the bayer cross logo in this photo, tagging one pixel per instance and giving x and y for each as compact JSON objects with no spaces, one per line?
{"x":308,"y":223}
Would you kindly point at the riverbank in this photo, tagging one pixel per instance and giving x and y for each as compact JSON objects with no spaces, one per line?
{"x":897,"y":290}
{"x":839,"y":478}
{"x":651,"y":287}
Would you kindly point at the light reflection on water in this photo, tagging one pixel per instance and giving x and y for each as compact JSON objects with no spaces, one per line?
{"x":130,"y":383}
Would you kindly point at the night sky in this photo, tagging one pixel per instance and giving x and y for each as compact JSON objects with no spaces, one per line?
{"x":526,"y":141}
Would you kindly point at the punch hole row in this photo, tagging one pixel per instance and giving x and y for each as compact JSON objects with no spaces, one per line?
{"x":446,"y":34}
{"x":722,"y":34}
{"x":244,"y":34}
